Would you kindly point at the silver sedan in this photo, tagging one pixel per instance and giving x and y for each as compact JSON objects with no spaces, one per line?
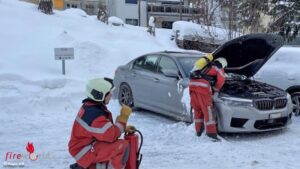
{"x":157,"y":81}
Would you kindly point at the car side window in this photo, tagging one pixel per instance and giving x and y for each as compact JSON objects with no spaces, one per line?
{"x":146,"y":62}
{"x":138,"y":63}
{"x":166,"y":63}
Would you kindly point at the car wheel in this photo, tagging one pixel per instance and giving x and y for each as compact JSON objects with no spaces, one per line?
{"x":296,"y":103}
{"x":125,"y":95}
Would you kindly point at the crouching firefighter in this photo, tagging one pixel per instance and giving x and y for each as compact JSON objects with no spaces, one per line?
{"x":95,"y":139}
{"x":206,"y":78}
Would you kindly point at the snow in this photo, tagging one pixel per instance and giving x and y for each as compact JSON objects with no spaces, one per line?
{"x":39,"y":105}
{"x":151,"y":21}
{"x":282,"y":69}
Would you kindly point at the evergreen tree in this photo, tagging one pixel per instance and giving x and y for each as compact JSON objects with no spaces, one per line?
{"x":285,"y":15}
{"x":250,"y":12}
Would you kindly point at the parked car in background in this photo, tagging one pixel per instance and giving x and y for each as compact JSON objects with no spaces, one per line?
{"x":189,"y":35}
{"x":153,"y":82}
{"x":283,"y":70}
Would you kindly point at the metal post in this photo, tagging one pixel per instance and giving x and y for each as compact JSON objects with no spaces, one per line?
{"x":63,"y":67}
{"x":180,"y":12}
{"x":139,"y":12}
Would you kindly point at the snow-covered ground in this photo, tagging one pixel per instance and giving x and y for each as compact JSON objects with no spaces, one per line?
{"x":38,"y":104}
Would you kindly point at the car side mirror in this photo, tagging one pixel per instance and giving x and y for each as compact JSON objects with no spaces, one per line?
{"x":170,"y":73}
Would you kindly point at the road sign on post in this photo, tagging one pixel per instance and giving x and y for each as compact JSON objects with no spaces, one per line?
{"x":64,"y":54}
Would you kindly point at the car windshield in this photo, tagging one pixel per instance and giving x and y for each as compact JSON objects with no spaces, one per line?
{"x":187,"y":64}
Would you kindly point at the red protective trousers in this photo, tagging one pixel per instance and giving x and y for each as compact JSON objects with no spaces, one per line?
{"x":201,"y":100}
{"x":110,"y":155}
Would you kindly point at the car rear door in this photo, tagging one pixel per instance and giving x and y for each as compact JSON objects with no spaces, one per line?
{"x":143,"y":79}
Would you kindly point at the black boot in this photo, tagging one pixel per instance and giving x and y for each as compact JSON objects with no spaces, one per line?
{"x":213,"y":137}
{"x":75,"y":166}
{"x":199,"y":133}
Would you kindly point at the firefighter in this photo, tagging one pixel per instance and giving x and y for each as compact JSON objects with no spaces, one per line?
{"x":95,"y":139}
{"x":207,"y":78}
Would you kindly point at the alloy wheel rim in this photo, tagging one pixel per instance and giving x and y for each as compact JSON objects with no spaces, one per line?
{"x":126,"y":96}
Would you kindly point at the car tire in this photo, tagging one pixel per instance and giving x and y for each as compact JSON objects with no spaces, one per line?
{"x":296,"y":103}
{"x":125,"y":95}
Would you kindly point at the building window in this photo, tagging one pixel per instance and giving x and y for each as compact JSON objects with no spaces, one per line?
{"x":131,"y":21}
{"x":167,"y":24}
{"x":131,"y":1}
{"x":68,"y":5}
{"x":157,"y":9}
{"x":89,"y":6}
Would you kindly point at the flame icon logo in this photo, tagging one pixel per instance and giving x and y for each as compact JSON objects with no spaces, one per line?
{"x":30,"y":149}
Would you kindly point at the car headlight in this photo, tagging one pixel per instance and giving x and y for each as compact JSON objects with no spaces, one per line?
{"x":237,"y":101}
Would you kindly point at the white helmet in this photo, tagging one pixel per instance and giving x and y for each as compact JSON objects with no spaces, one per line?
{"x":223,"y":61}
{"x":97,"y":89}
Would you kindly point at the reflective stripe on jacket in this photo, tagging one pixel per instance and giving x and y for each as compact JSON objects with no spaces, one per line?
{"x":203,"y":86}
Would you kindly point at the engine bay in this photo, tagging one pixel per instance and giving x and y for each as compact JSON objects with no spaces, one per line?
{"x":250,"y":89}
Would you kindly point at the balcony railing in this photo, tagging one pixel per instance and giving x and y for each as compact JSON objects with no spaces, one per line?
{"x":173,"y":9}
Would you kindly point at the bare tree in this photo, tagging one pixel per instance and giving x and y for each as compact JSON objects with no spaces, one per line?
{"x":206,"y":15}
{"x":102,"y":13}
{"x":46,"y":6}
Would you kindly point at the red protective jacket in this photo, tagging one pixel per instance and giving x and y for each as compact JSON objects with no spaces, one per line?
{"x":203,"y":86}
{"x":93,"y":123}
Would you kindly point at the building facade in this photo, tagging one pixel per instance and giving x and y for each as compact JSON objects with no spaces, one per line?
{"x":135,"y":12}
{"x":138,"y":12}
{"x":91,"y":7}
{"x":57,"y":4}
{"x":132,"y":12}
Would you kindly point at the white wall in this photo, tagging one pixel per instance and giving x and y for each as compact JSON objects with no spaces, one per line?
{"x":130,"y":11}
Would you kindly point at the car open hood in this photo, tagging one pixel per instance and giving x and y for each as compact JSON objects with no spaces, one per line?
{"x":247,"y":54}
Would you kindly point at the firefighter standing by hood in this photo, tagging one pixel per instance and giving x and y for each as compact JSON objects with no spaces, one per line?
{"x":95,"y":139}
{"x":207,"y":78}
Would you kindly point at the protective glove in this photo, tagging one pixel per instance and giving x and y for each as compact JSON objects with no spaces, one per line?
{"x":130,"y":129}
{"x":124,"y":114}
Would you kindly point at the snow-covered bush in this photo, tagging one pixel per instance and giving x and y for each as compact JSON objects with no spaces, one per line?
{"x":46,"y":6}
{"x":115,"y":21}
{"x":151,"y":27}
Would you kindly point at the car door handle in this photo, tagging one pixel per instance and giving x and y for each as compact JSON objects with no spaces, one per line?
{"x":156,"y":80}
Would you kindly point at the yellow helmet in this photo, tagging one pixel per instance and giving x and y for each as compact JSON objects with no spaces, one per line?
{"x":202,"y":62}
{"x":97,"y":89}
